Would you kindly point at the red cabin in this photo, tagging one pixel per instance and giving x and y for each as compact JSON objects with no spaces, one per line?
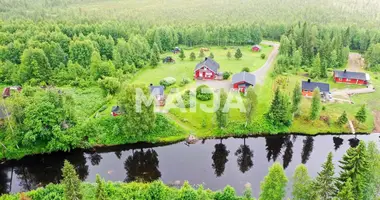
{"x":308,"y":87}
{"x":243,"y":80}
{"x":256,"y":48}
{"x":345,"y":76}
{"x":206,"y":70}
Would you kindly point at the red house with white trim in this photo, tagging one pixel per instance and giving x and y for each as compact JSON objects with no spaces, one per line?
{"x":308,"y":87}
{"x":345,"y":76}
{"x":206,"y":70}
{"x":241,"y":81}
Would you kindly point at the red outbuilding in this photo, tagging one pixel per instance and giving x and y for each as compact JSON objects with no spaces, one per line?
{"x":241,"y":81}
{"x":345,"y":76}
{"x":207,"y":69}
{"x":256,"y":48}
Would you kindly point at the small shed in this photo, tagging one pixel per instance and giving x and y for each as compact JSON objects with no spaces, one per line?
{"x":7,"y":90}
{"x":115,"y":111}
{"x":345,"y":76}
{"x":308,"y":87}
{"x":256,"y":48}
{"x":158,"y":93}
{"x":207,"y":69}
{"x":243,"y":80}
{"x":168,"y":59}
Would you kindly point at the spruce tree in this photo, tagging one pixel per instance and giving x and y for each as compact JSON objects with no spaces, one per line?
{"x":238,"y":54}
{"x":250,"y":105}
{"x":323,"y":71}
{"x":354,"y":165}
{"x":229,"y":55}
{"x":274,"y":184}
{"x":361,"y":115}
{"x":342,"y":119}
{"x":315,"y":68}
{"x":100,"y":189}
{"x":324,"y":183}
{"x":221,"y":116}
{"x":346,"y":192}
{"x":153,"y":60}
{"x":192,"y":56}
{"x":71,"y":182}
{"x":297,"y":60}
{"x":156,"y":51}
{"x":211,"y":55}
{"x":296,"y":99}
{"x":182,"y":54}
{"x":280,"y":111}
{"x":302,"y":184}
{"x":315,"y":104}
{"x":373,"y":176}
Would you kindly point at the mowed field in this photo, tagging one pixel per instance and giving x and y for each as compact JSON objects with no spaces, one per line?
{"x":185,"y":69}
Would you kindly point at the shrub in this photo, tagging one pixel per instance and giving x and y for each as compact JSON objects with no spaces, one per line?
{"x":245,"y":69}
{"x":187,"y":99}
{"x":204,"y":93}
{"x":184,"y":82}
{"x":110,"y":85}
{"x":168,"y":81}
{"x":226,"y":75}
{"x":262,"y":56}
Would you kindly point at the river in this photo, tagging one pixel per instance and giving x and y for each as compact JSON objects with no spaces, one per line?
{"x":213,"y":162}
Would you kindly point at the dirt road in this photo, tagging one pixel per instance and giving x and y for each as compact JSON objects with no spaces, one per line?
{"x":355,"y":62}
{"x":261,"y":73}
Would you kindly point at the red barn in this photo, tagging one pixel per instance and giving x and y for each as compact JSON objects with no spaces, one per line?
{"x":345,"y":76}
{"x":243,"y":80}
{"x":206,"y":69}
{"x":308,"y":87}
{"x":256,"y":48}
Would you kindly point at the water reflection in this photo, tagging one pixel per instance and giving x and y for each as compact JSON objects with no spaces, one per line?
{"x":274,"y":146}
{"x":219,"y":158}
{"x":307,"y":148}
{"x":4,"y":188}
{"x":245,"y":155}
{"x":118,"y":154}
{"x":142,"y":166}
{"x":354,"y":142}
{"x":337,"y":142}
{"x":288,"y":154}
{"x":95,"y":158}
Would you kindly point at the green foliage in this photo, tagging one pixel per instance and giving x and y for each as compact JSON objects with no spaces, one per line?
{"x":35,"y":67}
{"x":229,"y":55}
{"x":361,"y":115}
{"x":110,"y":85}
{"x":192,"y":56}
{"x":315,"y":104}
{"x":262,"y":56}
{"x":204,"y":93}
{"x":238,"y":54}
{"x":141,"y":117}
{"x":245,"y":69}
{"x":71,"y":182}
{"x":355,"y":166}
{"x":273,"y":185}
{"x":346,"y":192}
{"x":324,"y":182}
{"x":250,"y":105}
{"x":211,"y":55}
{"x":168,"y":81}
{"x":100,"y":68}
{"x":188,"y":99}
{"x":302,"y":184}
{"x":221,"y":114}
{"x":372,"y":178}
{"x":342,"y":120}
{"x":81,"y":52}
{"x":182,"y":54}
{"x":201,"y":54}
{"x":100,"y":189}
{"x":279,"y":113}
{"x":372,"y":57}
{"x":226,"y":75}
{"x":296,"y":99}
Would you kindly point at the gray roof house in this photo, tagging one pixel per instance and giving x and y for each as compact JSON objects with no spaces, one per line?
{"x":243,"y":80}
{"x":351,"y":75}
{"x":310,"y":86}
{"x":209,"y":63}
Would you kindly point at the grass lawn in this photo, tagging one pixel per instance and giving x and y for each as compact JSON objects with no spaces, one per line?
{"x":185,"y":68}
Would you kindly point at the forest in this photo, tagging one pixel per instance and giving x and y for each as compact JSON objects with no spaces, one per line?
{"x":359,"y":178}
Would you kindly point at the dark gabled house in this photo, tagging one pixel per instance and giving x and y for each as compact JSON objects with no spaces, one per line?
{"x":345,"y":76}
{"x":243,"y":80}
{"x":308,"y":87}
{"x":207,"y":69}
{"x":115,"y":111}
{"x":158,"y":93}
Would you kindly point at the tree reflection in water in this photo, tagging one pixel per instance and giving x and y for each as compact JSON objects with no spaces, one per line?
{"x":4,"y":180}
{"x":219,"y":157}
{"x":307,"y":148}
{"x":244,"y":160}
{"x":274,"y":146}
{"x":337,"y":142}
{"x":142,"y":166}
{"x":354,"y":142}
{"x":95,"y":158}
{"x":288,"y":154}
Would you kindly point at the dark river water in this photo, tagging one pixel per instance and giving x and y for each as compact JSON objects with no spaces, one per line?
{"x":214,"y":162}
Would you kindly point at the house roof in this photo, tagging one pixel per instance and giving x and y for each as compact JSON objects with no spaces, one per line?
{"x":157,"y":90}
{"x":351,"y":75}
{"x":258,"y":46}
{"x":209,"y":63}
{"x":310,"y":86}
{"x":244,"y":76}
{"x":115,"y":109}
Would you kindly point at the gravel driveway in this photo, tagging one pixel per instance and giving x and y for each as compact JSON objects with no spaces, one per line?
{"x":262,"y":72}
